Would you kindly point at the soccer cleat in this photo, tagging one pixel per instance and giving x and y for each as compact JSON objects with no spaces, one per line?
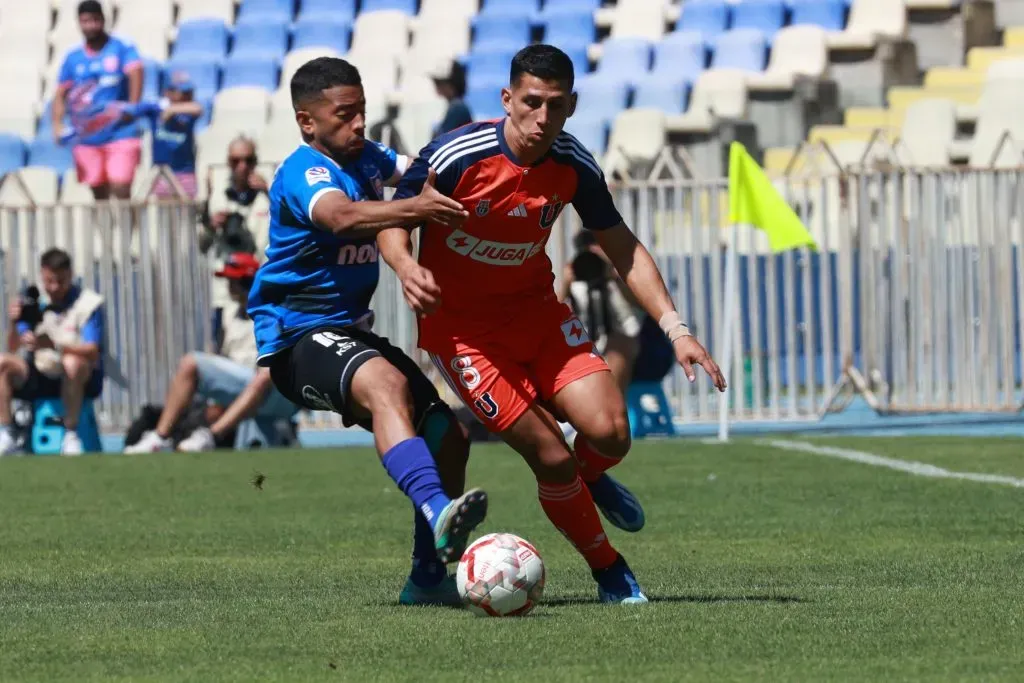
{"x":617,"y":504}
{"x":616,"y":584}
{"x":70,"y":444}
{"x":458,"y":519}
{"x":151,"y":442}
{"x":199,"y":440}
{"x":444,"y":593}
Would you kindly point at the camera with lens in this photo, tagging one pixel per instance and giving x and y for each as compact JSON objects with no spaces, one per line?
{"x":31,"y":311}
{"x":236,"y":236}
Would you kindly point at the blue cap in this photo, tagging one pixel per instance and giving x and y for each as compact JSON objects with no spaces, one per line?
{"x":180,"y":81}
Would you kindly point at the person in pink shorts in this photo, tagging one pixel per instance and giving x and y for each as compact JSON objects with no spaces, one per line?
{"x":100,"y":84}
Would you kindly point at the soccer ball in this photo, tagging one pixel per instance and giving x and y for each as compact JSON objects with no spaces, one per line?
{"x":500,"y":575}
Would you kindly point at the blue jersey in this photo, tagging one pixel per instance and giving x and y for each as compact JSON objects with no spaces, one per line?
{"x":96,"y":87}
{"x":313,"y":278}
{"x":174,"y":140}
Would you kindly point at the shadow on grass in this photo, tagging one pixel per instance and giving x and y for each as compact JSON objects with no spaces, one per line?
{"x":778,"y":599}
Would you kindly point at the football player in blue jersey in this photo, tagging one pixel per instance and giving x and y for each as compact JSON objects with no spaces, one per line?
{"x":310,"y":308}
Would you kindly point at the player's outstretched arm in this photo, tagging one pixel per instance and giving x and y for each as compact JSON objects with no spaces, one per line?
{"x":334,"y":211}
{"x":418,"y":286}
{"x":637,"y":269}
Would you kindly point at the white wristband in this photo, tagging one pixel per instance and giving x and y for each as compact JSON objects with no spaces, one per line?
{"x":672,"y":325}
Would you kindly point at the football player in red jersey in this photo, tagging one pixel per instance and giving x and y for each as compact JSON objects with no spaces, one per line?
{"x":490,"y":319}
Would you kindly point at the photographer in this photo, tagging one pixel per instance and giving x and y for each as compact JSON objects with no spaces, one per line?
{"x":237,"y":218}
{"x":61,"y":347}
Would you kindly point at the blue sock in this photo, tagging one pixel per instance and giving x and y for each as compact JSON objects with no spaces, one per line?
{"x":413,"y":468}
{"x":427,"y":570}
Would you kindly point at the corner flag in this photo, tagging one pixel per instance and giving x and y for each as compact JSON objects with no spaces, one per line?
{"x":754,"y":201}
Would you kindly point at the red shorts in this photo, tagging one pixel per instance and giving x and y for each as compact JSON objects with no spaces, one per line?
{"x":501,"y":374}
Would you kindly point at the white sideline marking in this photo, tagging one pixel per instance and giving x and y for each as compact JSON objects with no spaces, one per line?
{"x":920,"y":469}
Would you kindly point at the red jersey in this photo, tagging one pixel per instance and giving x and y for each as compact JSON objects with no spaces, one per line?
{"x":495,"y":267}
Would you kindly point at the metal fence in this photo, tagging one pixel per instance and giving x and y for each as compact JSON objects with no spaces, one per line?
{"x":912,"y":299}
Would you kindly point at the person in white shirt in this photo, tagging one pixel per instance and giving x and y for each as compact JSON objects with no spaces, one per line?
{"x":230,"y":379}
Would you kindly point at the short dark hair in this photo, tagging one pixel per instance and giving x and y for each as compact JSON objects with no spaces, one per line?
{"x":321,"y":74}
{"x":90,"y":7}
{"x":55,"y":259}
{"x":543,"y":61}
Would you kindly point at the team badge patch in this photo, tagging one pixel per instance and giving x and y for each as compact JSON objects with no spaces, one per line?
{"x":575,"y":333}
{"x":487,"y":406}
{"x":111,"y":63}
{"x":318,"y":174}
{"x":550,"y":211}
{"x":483,"y":207}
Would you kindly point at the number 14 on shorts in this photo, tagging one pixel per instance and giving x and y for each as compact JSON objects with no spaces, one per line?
{"x":328,"y":339}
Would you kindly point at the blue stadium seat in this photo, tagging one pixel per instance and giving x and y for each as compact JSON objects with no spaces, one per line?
{"x":493,"y":31}
{"x":407,"y":6}
{"x":332,"y":10}
{"x":558,"y":6}
{"x":591,"y":130}
{"x":829,"y":14}
{"x":660,"y":91}
{"x":710,"y":17}
{"x":201,"y":38}
{"x":600,"y":95}
{"x":485,"y":103}
{"x":682,"y":53}
{"x":625,"y":58}
{"x":526,"y":9}
{"x":767,"y":16}
{"x":261,"y":72}
{"x":279,"y":10}
{"x":321,"y":31}
{"x":578,"y":55}
{"x":152,"y":72}
{"x":260,"y":38}
{"x":744,"y":48}
{"x":487,"y":68}
{"x":569,"y":27}
{"x":205,"y":74}
{"x":12,"y":153}
{"x":45,"y":152}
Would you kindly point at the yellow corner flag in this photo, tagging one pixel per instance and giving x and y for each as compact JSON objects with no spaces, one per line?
{"x":753,"y":200}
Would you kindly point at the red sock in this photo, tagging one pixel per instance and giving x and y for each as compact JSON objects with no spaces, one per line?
{"x":592,"y":463}
{"x":571,"y":509}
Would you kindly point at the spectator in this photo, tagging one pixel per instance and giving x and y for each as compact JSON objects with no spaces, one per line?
{"x":173,"y":120}
{"x":100,"y":83}
{"x":237,"y":219}
{"x":450,"y":83}
{"x":230,"y":380}
{"x":63,"y":345}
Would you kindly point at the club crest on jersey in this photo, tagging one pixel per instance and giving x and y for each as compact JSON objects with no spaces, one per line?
{"x":575,"y":333}
{"x":487,"y":406}
{"x":317,"y":174}
{"x":483,"y":207}
{"x":111,"y":63}
{"x":549,"y":212}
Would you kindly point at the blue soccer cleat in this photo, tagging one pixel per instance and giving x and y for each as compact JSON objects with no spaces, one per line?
{"x":617,"y":585}
{"x":458,"y":519}
{"x":617,"y":504}
{"x":444,"y":593}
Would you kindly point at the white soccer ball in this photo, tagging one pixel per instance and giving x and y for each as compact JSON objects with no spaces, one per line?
{"x":500,"y":575}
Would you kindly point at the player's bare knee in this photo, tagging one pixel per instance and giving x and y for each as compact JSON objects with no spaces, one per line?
{"x":555,"y":466}
{"x":390,"y":392}
{"x":610,"y":434}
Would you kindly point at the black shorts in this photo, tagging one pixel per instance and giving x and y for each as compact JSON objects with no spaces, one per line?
{"x":39,"y":386}
{"x":317,"y":372}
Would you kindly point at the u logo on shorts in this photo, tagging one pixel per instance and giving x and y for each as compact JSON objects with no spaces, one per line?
{"x":486,"y":405}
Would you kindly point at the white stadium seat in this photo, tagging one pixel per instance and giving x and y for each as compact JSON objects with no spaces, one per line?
{"x":870,"y":20}
{"x":245,"y":108}
{"x":296,"y":58}
{"x":206,"y":9}
{"x":39,"y":182}
{"x":386,"y":31}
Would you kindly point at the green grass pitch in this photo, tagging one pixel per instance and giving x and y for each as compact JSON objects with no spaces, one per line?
{"x":762,"y":564}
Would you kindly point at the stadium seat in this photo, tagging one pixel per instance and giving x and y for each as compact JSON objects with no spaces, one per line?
{"x":448,"y":9}
{"x":74,"y":192}
{"x":39,"y":181}
{"x":494,"y":31}
{"x":13,"y":152}
{"x":717,"y":94}
{"x":579,"y":57}
{"x":23,"y":83}
{"x":23,"y":47}
{"x":245,"y":108}
{"x":624,"y":58}
{"x":637,"y":136}
{"x":569,"y":27}
{"x":682,"y":53}
{"x":744,"y":48}
{"x":43,"y":151}
{"x":661,"y":91}
{"x":260,"y":38}
{"x":590,"y":129}
{"x":485,"y":103}
{"x":32,"y":18}
{"x":559,"y":6}
{"x":709,"y":17}
{"x":644,"y":20}
{"x":260,"y":72}
{"x":767,"y":16}
{"x":486,"y":68}
{"x":152,"y":73}
{"x":297,"y":57}
{"x":201,"y":38}
{"x":155,"y":14}
{"x":828,"y":14}
{"x":405,"y":6}
{"x":276,"y":10}
{"x":525,"y":9}
{"x":797,"y":51}
{"x":204,"y":73}
{"x":18,"y":117}
{"x":437,"y":40}
{"x":206,"y":9}
{"x":929,"y":128}
{"x":869,"y":20}
{"x":331,"y":10}
{"x":281,"y":111}
{"x":381,"y":33}
{"x":149,"y":39}
{"x":600,"y":95}
{"x":321,"y":33}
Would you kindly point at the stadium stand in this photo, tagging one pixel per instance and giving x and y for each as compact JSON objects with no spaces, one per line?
{"x":774,"y":73}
